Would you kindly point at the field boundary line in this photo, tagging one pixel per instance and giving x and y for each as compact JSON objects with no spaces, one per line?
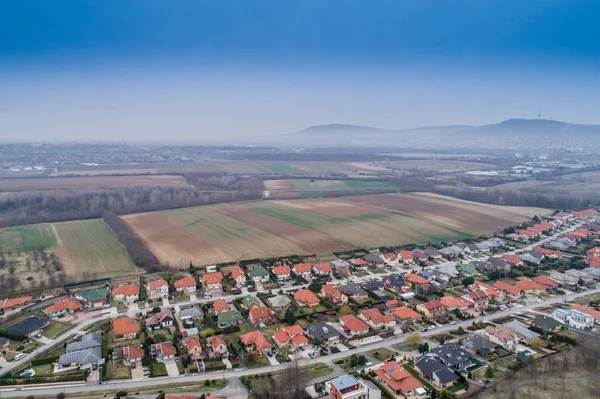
{"x":58,"y":239}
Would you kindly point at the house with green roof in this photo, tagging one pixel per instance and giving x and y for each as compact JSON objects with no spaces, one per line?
{"x":467,"y":269}
{"x":259,"y":275}
{"x":250,"y":302}
{"x":95,"y":298}
{"x":229,"y":318}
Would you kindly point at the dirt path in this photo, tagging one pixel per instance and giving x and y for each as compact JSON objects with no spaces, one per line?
{"x":58,"y":240}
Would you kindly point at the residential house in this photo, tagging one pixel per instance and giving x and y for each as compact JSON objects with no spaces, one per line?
{"x":282,"y":272}
{"x":159,"y":320}
{"x":479,"y":299}
{"x":547,"y":282}
{"x":333,"y":295}
{"x":432,"y":309}
{"x":354,"y":291}
{"x":341,"y":267}
{"x":376,"y":320}
{"x":158,"y":288}
{"x":187,"y":285}
{"x":491,"y":292}
{"x":13,"y":303}
{"x":293,"y":335}
{"x":452,"y":303}
{"x":217,"y":347}
{"x":432,"y":253}
{"x":420,"y":256}
{"x":353,"y":326}
{"x":322,"y":332}
{"x":237,"y":274}
{"x":29,"y":327}
{"x":547,"y":323}
{"x":191,"y":314}
{"x":467,"y":269}
{"x":420,"y":284}
{"x":163,"y":351}
{"x":588,"y":310}
{"x":373,"y":286}
{"x":506,"y":337}
{"x":256,"y":340}
{"x":220,"y":306}
{"x":499,"y":264}
{"x":280,"y":303}
{"x":63,"y":306}
{"x":453,"y":356}
{"x":125,"y":328}
{"x":260,"y":314}
{"x":229,"y":318}
{"x":532,"y":257}
{"x":212,"y":281}
{"x":84,"y":354}
{"x":435,"y":372}
{"x":550,"y":253}
{"x":93,"y":298}
{"x":4,"y":344}
{"x":250,"y":302}
{"x":574,"y":318}
{"x":193,"y":347}
{"x":391,"y":259}
{"x":127,"y":293}
{"x":508,"y":289}
{"x":359,"y":264}
{"x":323,"y":269}
{"x":483,"y":267}
{"x":480,"y":345}
{"x":394,"y":282}
{"x":306,"y":298}
{"x":397,"y":379}
{"x":129,"y":354}
{"x":404,"y":313}
{"x":522,"y":329}
{"x":513,"y":260}
{"x":406,"y":256}
{"x":348,"y":387}
{"x":259,"y":275}
{"x":530,"y":286}
{"x":374,"y":261}
{"x":303,"y":269}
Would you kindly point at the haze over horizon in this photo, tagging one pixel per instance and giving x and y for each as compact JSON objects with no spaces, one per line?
{"x":147,"y":71}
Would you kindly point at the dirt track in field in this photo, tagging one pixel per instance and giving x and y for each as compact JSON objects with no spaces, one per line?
{"x":330,"y":207}
{"x":170,"y":242}
{"x":63,"y":183}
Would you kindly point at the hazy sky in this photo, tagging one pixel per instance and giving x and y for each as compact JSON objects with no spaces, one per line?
{"x":205,"y":69}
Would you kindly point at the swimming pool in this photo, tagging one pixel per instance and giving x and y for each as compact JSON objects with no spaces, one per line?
{"x":27,"y":374}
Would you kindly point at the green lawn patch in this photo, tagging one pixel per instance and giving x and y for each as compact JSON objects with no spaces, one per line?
{"x":158,"y":369}
{"x":381,"y":354}
{"x":27,"y":238}
{"x":55,"y":329}
{"x":318,"y":370}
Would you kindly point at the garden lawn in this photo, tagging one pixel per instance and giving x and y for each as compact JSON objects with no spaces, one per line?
{"x":55,"y":329}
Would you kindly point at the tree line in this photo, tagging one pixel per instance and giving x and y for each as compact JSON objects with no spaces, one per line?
{"x":62,"y":205}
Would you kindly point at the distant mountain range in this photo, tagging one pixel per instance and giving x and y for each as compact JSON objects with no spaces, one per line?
{"x":512,"y":133}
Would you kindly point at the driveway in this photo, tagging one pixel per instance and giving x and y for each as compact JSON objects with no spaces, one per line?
{"x":137,"y":373}
{"x":273,"y":360}
{"x":227,"y":363}
{"x":165,"y":302}
{"x":42,"y":340}
{"x":94,"y":376}
{"x":193,"y":298}
{"x":172,"y":369}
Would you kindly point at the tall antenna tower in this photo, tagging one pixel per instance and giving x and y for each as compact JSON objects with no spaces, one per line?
{"x":539,"y":113}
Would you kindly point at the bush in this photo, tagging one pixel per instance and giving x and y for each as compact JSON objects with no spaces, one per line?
{"x":12,"y":335}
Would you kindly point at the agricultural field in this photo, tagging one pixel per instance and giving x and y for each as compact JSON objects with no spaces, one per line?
{"x":439,"y":165}
{"x":88,"y":248}
{"x":245,"y":230}
{"x":49,"y":255}
{"x":62,"y":183}
{"x":310,"y":184}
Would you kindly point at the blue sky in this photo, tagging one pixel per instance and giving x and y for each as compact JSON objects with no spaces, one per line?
{"x":195,"y":70}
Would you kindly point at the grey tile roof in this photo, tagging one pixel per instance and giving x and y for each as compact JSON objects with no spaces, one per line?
{"x":431,"y":367}
{"x":322,"y":330}
{"x":88,"y":341}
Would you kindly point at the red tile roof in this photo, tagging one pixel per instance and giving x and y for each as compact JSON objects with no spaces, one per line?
{"x":511,"y":289}
{"x":256,"y":338}
{"x":397,"y":378}
{"x":512,"y":259}
{"x":212,"y":278}
{"x":452,"y":302}
{"x":323,"y":267}
{"x":587,"y":310}
{"x":236,"y":272}
{"x":353,"y":323}
{"x":14,"y":302}
{"x":157,"y":283}
{"x":187,"y":281}
{"x":547,"y":281}
{"x":127,"y":290}
{"x":376,"y":316}
{"x":302,"y":268}
{"x":125,"y":325}
{"x":260,"y":313}
{"x":529,"y":285}
{"x":69,"y":304}
{"x":221,"y":306}
{"x":306,"y":297}
{"x":216,"y":341}
{"x":406,"y":255}
{"x":406,"y":313}
{"x":281,"y":270}
{"x":133,"y":352}
{"x":416,"y":279}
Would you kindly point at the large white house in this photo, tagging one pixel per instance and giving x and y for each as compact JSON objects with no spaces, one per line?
{"x":574,"y":318}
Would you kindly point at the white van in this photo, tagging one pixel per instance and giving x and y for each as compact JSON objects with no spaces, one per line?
{"x":20,"y":356}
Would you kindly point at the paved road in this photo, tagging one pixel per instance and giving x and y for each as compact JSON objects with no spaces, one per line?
{"x":128,"y":384}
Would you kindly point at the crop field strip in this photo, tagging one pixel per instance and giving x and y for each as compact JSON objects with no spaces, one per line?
{"x":230,"y":232}
{"x":82,"y":182}
{"x":308,"y":184}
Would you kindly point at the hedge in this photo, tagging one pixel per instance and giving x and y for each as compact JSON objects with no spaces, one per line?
{"x":12,"y":335}
{"x":44,"y":360}
{"x":216,"y":366}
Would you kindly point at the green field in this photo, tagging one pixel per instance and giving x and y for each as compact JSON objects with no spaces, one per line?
{"x":281,"y":168}
{"x":308,"y":184}
{"x":91,"y":247}
{"x":27,"y":238}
